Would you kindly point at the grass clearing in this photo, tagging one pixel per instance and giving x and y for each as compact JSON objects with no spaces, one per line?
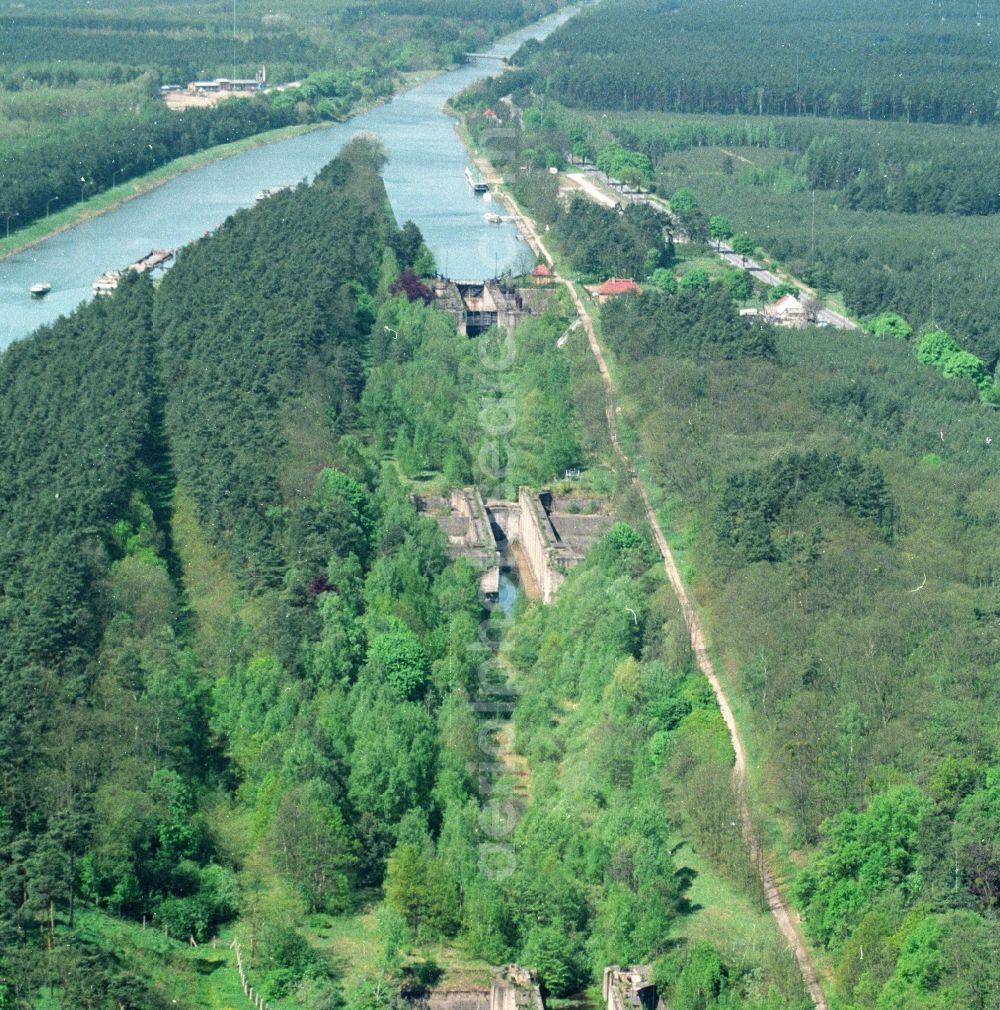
{"x":199,"y":978}
{"x":722,"y":911}
{"x":353,"y":945}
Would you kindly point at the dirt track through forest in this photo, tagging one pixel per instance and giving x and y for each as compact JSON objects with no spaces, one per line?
{"x":784,"y":916}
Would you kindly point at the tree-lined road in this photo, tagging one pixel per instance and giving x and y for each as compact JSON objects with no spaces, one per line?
{"x":584,"y":182}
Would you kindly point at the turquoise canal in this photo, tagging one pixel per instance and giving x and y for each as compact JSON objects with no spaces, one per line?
{"x":509,"y":592}
{"x":424,"y":177}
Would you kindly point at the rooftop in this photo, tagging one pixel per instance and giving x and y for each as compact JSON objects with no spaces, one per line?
{"x":619,"y":286}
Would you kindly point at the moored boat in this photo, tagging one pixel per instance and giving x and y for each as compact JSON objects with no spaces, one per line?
{"x":40,"y":290}
{"x":107,"y":282}
{"x":477,"y":184}
{"x":265,"y":194}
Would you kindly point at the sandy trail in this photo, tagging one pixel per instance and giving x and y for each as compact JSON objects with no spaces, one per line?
{"x":783,"y":915}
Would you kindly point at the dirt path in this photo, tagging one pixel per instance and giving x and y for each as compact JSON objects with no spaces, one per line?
{"x":738,"y":157}
{"x":580,"y":181}
{"x":783,"y":915}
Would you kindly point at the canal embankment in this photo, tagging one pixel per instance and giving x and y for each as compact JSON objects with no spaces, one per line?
{"x":112,"y":199}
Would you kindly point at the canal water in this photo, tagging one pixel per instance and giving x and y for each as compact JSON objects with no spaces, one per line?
{"x":424,"y":178}
{"x":509,"y":591}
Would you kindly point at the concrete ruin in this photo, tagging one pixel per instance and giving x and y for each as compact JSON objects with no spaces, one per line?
{"x":512,"y":988}
{"x":465,"y":520}
{"x":629,"y":988}
{"x":538,"y":532}
{"x":479,"y":305}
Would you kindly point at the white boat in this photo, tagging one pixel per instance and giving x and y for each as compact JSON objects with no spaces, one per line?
{"x":107,"y":282}
{"x":40,"y":290}
{"x":477,"y":184}
{"x":265,"y":194}
{"x":492,"y":218}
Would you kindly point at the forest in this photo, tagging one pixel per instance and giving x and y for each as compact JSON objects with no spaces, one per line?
{"x":890,"y":61}
{"x":881,"y":215}
{"x":240,"y":673}
{"x":817,"y":505}
{"x":80,"y":108}
{"x":247,"y":695}
{"x":831,"y":495}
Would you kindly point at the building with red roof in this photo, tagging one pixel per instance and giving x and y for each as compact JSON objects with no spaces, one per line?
{"x":615,"y":286}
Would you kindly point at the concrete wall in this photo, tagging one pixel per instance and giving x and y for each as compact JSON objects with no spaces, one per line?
{"x":513,"y":988}
{"x":629,"y":988}
{"x":534,"y":542}
{"x":476,"y":999}
{"x":479,"y":542}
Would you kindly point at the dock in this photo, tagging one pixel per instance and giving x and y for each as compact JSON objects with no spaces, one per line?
{"x":155,"y":259}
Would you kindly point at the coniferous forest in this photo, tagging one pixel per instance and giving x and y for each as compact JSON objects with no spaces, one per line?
{"x":248,"y":698}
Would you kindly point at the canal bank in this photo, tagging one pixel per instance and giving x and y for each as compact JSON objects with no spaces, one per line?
{"x":112,"y":199}
{"x":424,"y":178}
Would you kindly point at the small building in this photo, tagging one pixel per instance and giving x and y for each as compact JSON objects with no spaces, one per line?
{"x":541,"y":274}
{"x":616,"y":286}
{"x":229,"y":85}
{"x":786,"y":311}
{"x":629,"y":988}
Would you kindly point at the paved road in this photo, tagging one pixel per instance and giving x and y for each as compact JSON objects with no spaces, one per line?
{"x":583,"y":181}
{"x":826,"y":316}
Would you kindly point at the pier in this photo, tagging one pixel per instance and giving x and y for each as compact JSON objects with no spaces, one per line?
{"x":155,"y":259}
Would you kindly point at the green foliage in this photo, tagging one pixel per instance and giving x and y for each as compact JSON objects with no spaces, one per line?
{"x":374,"y":994}
{"x":639,"y":59}
{"x":864,"y":857}
{"x":703,"y":323}
{"x":393,"y":760}
{"x":420,"y":888}
{"x":603,"y":242}
{"x":939,"y":349}
{"x":701,"y":980}
{"x":964,"y":365}
{"x":935,"y":347}
{"x":556,"y":957}
{"x":780,"y":290}
{"x":287,"y":959}
{"x":754,"y":502}
{"x":157,"y":761}
{"x":944,"y":961}
{"x":738,"y":283}
{"x":695,"y":279}
{"x":889,"y":324}
{"x":398,"y":659}
{"x":683,"y":202}
{"x":719,"y":227}
{"x":743,"y":245}
{"x":629,"y":166}
{"x":314,"y":846}
{"x":663,"y":279}
{"x":88,"y":106}
{"x":976,"y":838}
